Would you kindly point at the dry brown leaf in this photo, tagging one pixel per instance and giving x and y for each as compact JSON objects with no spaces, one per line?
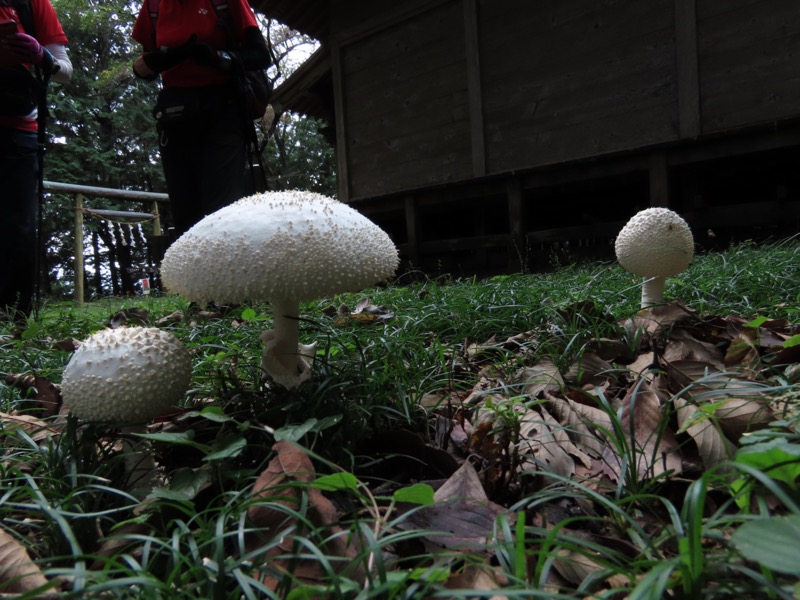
{"x":541,"y":377}
{"x":714,"y":448}
{"x":590,"y":369}
{"x":575,"y":567}
{"x":642,"y":363}
{"x":585,"y":425}
{"x":480,"y":578}
{"x":655,"y":447}
{"x":741,"y":404}
{"x":47,"y":400}
{"x":284,"y":482}
{"x":121,"y":540}
{"x":682,"y":345}
{"x":37,"y":429}
{"x":738,"y":416}
{"x":658,"y":318}
{"x":544,"y":444}
{"x":18,"y":573}
{"x":461,"y":518}
{"x":743,"y":352}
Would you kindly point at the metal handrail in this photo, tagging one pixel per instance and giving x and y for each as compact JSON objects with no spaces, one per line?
{"x":79,"y":191}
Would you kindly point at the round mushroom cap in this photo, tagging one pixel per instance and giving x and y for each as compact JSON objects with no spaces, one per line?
{"x":127,"y":375}
{"x":656,"y":242}
{"x":290,"y":245}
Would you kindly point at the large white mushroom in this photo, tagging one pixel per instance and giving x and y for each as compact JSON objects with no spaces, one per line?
{"x":127,"y":376}
{"x":285,"y":247}
{"x":655,"y":244}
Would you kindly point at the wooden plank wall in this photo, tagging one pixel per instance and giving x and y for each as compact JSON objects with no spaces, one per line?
{"x":749,"y":53}
{"x":480,"y":132}
{"x":570,"y":79}
{"x":405,"y":102}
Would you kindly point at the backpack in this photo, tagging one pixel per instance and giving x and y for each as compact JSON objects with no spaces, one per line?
{"x":20,"y":91}
{"x":256,"y":86}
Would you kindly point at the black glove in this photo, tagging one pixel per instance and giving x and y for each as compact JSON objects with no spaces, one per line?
{"x":166,"y":58}
{"x":206,"y":56}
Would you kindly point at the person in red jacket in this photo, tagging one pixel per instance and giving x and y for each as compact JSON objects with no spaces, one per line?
{"x":202,"y":125}
{"x":20,"y":55}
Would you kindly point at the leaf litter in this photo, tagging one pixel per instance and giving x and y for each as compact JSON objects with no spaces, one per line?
{"x":673,"y":396}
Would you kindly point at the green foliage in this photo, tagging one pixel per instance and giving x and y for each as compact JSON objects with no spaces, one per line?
{"x":721,"y":532}
{"x":298,"y":157}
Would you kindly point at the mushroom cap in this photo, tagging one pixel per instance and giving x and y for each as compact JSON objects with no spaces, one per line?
{"x":656,"y":242}
{"x":127,"y":375}
{"x":291,"y":245}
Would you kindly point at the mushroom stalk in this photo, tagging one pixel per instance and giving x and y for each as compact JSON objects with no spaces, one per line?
{"x":653,"y":291}
{"x":286,"y":360}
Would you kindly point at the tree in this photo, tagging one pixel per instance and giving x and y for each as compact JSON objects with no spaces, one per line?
{"x":101,"y":133}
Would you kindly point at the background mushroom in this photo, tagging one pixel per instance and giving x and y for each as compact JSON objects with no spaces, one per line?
{"x":127,"y":376}
{"x":656,"y":243}
{"x":285,"y":247}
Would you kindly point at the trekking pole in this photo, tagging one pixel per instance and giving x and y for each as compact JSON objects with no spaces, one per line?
{"x":41,"y":119}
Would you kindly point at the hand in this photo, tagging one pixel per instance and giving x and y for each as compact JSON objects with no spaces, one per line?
{"x":22,"y":48}
{"x":206,"y":56}
{"x":166,"y":58}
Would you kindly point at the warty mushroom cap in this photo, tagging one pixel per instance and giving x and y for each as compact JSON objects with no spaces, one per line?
{"x":126,"y":375}
{"x":290,"y":245}
{"x":656,"y":242}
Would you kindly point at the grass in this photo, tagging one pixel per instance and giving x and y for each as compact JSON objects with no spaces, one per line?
{"x":384,"y":407}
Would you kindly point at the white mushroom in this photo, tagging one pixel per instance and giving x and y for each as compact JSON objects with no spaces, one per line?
{"x":127,"y":376}
{"x":655,"y":244}
{"x":285,"y":247}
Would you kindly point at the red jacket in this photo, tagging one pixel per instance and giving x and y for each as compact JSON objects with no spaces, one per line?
{"x":48,"y":31}
{"x":180,"y":19}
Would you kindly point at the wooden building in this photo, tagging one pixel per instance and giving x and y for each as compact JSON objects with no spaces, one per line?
{"x":484,"y":134}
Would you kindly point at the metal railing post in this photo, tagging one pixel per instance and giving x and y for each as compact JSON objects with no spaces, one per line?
{"x":85,"y":190}
{"x":79,"y":249}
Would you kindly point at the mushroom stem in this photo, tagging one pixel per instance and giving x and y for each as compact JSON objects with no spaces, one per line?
{"x":286,"y":360}
{"x":653,"y":291}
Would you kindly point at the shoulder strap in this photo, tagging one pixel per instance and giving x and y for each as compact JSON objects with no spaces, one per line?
{"x":223,"y":11}
{"x":152,"y":9}
{"x":25,"y":14}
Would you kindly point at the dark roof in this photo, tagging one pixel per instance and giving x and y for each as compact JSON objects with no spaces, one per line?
{"x":311,"y":17}
{"x":309,"y":90}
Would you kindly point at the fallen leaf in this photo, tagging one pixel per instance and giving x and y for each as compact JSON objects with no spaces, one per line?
{"x":37,"y":429}
{"x":47,"y":400}
{"x":541,"y":377}
{"x":575,"y":567}
{"x":462,"y":517}
{"x":284,"y":483}
{"x":590,"y":370}
{"x":18,"y":573}
{"x":587,"y":426}
{"x":714,"y":448}
{"x":652,"y":446}
{"x":481,"y":578}
{"x":544,"y":444}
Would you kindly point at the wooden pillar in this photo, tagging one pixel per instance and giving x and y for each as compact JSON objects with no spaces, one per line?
{"x":688,"y":71}
{"x":412,"y":231}
{"x":474,"y":93}
{"x":516,"y":227}
{"x":156,"y":219}
{"x":79,"y":249}
{"x":659,"y":179}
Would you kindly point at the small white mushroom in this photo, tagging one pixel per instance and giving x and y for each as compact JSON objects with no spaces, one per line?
{"x":655,"y":244}
{"x":127,"y":376}
{"x":285,"y":247}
